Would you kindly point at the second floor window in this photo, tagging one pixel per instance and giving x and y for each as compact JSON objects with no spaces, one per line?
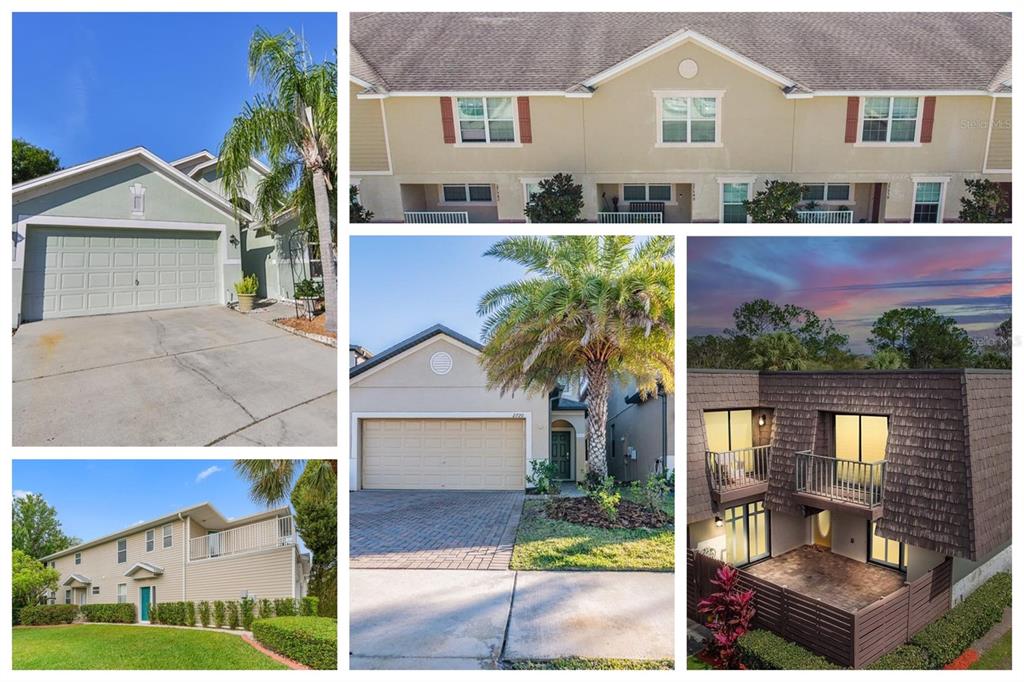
{"x":150,"y":535}
{"x":688,"y":119}
{"x":168,"y":538}
{"x":122,"y":551}
{"x":890,"y":119}
{"x":78,"y":558}
{"x":484,"y":120}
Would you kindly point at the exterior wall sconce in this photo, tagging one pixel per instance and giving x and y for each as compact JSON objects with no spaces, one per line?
{"x":234,"y":240}
{"x":718,"y":522}
{"x":761,"y":419}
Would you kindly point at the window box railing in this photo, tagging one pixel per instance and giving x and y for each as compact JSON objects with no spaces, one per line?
{"x":825,"y":216}
{"x":255,"y":537}
{"x":629,"y":217}
{"x":738,"y":468}
{"x":437,"y":217}
{"x":840,"y":480}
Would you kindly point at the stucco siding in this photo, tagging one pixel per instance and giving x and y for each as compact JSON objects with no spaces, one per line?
{"x":638,"y":427}
{"x":264,"y":575}
{"x":368,"y":149}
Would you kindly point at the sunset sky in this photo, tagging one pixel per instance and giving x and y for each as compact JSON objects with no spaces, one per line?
{"x":852,"y":280}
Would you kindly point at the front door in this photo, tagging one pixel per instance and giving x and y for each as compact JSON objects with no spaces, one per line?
{"x":561,"y":454}
{"x":144,"y":601}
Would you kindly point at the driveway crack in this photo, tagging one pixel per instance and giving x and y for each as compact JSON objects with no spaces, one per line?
{"x":508,"y":620}
{"x":269,"y":416}
{"x":180,"y":362}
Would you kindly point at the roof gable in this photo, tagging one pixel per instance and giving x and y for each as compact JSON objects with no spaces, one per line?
{"x":403,"y":348}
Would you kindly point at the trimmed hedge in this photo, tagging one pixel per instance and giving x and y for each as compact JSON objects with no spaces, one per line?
{"x":309,"y":606}
{"x":285,"y":607}
{"x":949,"y":636}
{"x":764,"y":650}
{"x":48,"y":614}
{"x":905,"y":657}
{"x":310,"y":640}
{"x":109,"y":613}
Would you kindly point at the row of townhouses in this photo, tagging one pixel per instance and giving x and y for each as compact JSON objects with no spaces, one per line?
{"x":678,"y":117}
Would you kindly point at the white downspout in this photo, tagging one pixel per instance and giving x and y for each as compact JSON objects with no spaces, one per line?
{"x":184,"y":556}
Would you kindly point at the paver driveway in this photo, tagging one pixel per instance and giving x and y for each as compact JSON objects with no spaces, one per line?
{"x":194,"y":376}
{"x":433,"y":529}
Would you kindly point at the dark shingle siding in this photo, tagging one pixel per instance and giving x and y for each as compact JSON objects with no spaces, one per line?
{"x":988,"y":410}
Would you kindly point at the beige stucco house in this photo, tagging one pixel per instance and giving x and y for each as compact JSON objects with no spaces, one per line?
{"x":678,"y":117}
{"x":194,"y":554}
{"x":422,"y":417}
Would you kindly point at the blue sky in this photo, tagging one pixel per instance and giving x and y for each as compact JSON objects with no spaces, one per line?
{"x":89,"y":85}
{"x":96,"y":497}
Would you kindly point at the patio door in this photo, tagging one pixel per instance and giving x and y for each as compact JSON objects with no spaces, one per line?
{"x":747,"y":535}
{"x":884,"y":551}
{"x":561,"y":454}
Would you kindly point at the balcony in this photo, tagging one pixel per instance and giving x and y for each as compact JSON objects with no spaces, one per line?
{"x":840,"y":484}
{"x":255,"y":537}
{"x":738,"y":474}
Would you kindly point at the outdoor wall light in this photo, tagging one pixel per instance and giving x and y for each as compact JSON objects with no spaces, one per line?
{"x":234,"y":240}
{"x":718,"y":522}
{"x":761,"y":420}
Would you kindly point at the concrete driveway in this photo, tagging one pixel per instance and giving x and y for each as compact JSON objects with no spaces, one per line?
{"x":444,"y":529}
{"x":193,"y":376}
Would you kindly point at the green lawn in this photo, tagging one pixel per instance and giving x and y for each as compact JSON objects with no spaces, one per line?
{"x":592,"y":664}
{"x":127,"y":647}
{"x":998,"y":657}
{"x":546,"y":544}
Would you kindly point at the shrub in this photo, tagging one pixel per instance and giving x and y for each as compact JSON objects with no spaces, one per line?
{"x":906,"y":657}
{"x":764,"y":650}
{"x":232,"y":607}
{"x":266,"y":609}
{"x":651,"y":493}
{"x":218,"y":613}
{"x":776,"y":203}
{"x":190,"y":614}
{"x":946,"y":638}
{"x":542,"y":477}
{"x":309,"y":606}
{"x":48,"y":614}
{"x":357,"y":213}
{"x":248,"y":285}
{"x":248,"y":617}
{"x":154,"y":613}
{"x":557,"y":200}
{"x":171,"y":613}
{"x":606,"y":497}
{"x":204,"y":613}
{"x":310,"y":640}
{"x":728,"y":613}
{"x":284,"y":607}
{"x":109,"y":613}
{"x":983,"y":202}
{"x":307,"y":288}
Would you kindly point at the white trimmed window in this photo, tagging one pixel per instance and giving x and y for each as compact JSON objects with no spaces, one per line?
{"x":733,"y":196}
{"x":647,"y":192}
{"x":928,"y":202}
{"x":67,"y":596}
{"x":78,"y":558}
{"x":150,"y":540}
{"x":122,"y":550}
{"x":168,"y":537}
{"x":486,"y":120}
{"x":691,"y":119}
{"x":467,"y":194}
{"x":122,"y":593}
{"x":890,"y":120}
{"x":95,"y":589}
{"x":827,"y":191}
{"x":138,"y":199}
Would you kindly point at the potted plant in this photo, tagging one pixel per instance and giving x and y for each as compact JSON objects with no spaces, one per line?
{"x":310,"y":293}
{"x":246,"y":289}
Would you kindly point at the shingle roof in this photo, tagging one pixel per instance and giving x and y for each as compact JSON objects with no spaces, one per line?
{"x":411,"y":342}
{"x":530,"y":51}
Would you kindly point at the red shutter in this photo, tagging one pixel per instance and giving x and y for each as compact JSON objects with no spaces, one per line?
{"x":852,"y":114}
{"x":928,"y":119}
{"x":525,"y":132}
{"x":447,"y":120}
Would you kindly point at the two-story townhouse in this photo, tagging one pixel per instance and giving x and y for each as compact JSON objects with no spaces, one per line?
{"x":678,"y":117}
{"x":641,"y":432}
{"x":858,"y":505}
{"x":194,"y":554}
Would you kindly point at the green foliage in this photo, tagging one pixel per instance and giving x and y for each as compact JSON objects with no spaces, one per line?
{"x":247,"y":608}
{"x":284,"y":607}
{"x":219,"y":614}
{"x":776,"y":203}
{"x":309,"y":606}
{"x":266,"y":609}
{"x":315,"y":500}
{"x":190,"y":614}
{"x":154,"y":613}
{"x":35,"y":529}
{"x":946,"y":638}
{"x":48,"y":614}
{"x":29,"y":579}
{"x":308,"y":288}
{"x":607,"y":497}
{"x":923,"y":337}
{"x":777,"y":352}
{"x":764,"y":650}
{"x":542,"y":477}
{"x":651,"y":493}
{"x":109,"y":613}
{"x":204,"y":613}
{"x":887,"y":358}
{"x":312,"y":641}
{"x":557,"y":200}
{"x":576,"y":663}
{"x":248,"y":285}
{"x":233,"y":619}
{"x":905,"y":657}
{"x":29,"y":162}
{"x":357,"y":213}
{"x":984,"y":202}
{"x":172,"y":613}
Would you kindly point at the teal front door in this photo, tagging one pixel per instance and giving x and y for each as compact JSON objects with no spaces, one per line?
{"x":561,"y":454}
{"x":144,"y":600}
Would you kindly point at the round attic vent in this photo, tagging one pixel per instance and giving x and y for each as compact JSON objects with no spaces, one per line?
{"x":687,"y":68}
{"x":440,"y":363}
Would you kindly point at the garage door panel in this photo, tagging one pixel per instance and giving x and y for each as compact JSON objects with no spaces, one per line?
{"x":443,"y":454}
{"x":78,"y":271}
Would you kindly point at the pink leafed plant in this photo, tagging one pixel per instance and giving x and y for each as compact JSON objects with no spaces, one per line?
{"x":728,"y":615}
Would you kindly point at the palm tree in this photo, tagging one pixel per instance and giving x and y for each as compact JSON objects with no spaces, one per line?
{"x":296,"y":126}
{"x":778,"y":352}
{"x":593,"y":308}
{"x":271,"y":480}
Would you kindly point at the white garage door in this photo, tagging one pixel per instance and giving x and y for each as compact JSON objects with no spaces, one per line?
{"x":444,"y":454}
{"x":77,"y":271}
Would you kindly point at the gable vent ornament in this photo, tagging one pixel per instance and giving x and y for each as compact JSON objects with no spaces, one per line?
{"x":441,"y":363}
{"x":687,"y":68}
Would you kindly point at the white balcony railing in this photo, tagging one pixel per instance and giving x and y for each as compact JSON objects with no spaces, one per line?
{"x":254,"y":537}
{"x":825,"y":216}
{"x":435,"y":217}
{"x":626,"y":217}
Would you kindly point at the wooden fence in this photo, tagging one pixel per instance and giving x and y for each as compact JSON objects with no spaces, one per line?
{"x":849,"y":639}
